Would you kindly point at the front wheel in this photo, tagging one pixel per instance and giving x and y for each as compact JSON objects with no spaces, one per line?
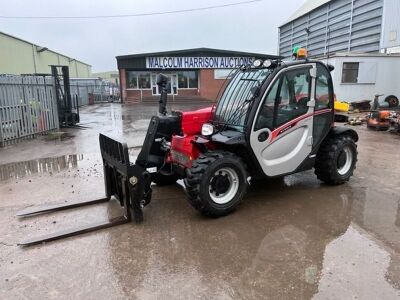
{"x":336,"y":160}
{"x":216,"y":183}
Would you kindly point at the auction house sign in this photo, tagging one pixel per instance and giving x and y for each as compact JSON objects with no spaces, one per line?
{"x":167,"y":62}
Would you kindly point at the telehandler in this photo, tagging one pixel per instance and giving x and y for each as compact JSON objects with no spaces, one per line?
{"x":273,"y":118}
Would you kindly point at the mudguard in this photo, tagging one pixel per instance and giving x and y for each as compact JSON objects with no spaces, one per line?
{"x":341,"y":130}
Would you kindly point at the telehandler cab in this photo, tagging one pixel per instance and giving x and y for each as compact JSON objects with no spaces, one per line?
{"x":273,"y":118}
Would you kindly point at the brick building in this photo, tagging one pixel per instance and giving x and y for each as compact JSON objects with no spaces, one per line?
{"x":193,"y":73}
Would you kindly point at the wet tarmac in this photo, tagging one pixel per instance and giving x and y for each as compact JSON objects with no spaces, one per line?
{"x":292,"y":238}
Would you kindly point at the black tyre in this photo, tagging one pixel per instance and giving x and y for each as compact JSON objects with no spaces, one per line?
{"x":164,"y":177}
{"x":392,"y":101}
{"x":216,"y":183}
{"x":336,"y":160}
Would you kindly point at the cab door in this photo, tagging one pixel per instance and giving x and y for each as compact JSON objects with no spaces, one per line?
{"x":282,"y":132}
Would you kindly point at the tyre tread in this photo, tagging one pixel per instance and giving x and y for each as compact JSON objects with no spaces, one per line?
{"x":194,"y":177}
{"x":325,"y":164}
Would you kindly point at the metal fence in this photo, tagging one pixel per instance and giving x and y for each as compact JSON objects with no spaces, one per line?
{"x":28,"y":107}
{"x":93,"y":90}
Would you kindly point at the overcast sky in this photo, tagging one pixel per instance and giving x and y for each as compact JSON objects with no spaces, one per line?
{"x":247,"y":27}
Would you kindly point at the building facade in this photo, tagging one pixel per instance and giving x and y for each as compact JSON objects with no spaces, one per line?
{"x":330,"y":26}
{"x":193,"y":73}
{"x":360,"y":38}
{"x":391,"y":26}
{"x":361,"y":76}
{"x":18,"y":56}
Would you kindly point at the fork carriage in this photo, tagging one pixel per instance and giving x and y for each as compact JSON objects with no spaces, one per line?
{"x":127,"y":182}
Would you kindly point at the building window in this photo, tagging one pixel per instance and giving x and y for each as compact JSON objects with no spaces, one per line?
{"x":182,"y":80}
{"x":144,"y":80}
{"x":137,"y":80}
{"x":131,"y":80}
{"x":188,"y":79}
{"x":359,"y":72}
{"x":224,"y":73}
{"x":350,"y":72}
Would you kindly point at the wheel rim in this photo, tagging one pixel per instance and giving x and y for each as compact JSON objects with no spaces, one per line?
{"x":224,"y":185}
{"x":345,"y":161}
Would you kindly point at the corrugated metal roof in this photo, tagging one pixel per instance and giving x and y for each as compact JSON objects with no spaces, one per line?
{"x":306,"y":8}
{"x":58,"y":53}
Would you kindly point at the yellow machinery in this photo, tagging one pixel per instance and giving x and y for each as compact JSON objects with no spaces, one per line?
{"x":341,"y":106}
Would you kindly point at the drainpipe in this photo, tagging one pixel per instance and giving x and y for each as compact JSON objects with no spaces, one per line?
{"x":34,"y":59}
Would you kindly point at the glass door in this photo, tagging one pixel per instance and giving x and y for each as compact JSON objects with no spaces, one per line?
{"x":154,"y":86}
{"x":174,"y":84}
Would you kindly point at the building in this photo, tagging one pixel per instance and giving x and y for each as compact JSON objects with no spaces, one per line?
{"x":361,"y":76}
{"x":92,"y":90}
{"x":110,"y":76}
{"x":358,"y":37}
{"x":18,"y":56}
{"x":193,"y":73}
{"x":326,"y":27}
{"x":391,"y":26}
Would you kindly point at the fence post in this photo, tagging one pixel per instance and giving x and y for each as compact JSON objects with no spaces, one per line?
{"x":2,"y":115}
{"x":55,"y":104}
{"x":1,"y":127}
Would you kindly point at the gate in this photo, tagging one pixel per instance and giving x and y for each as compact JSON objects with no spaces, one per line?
{"x":28,"y":107}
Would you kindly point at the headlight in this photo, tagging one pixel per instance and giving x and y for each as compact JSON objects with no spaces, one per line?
{"x":257,"y":63}
{"x":267,"y":63}
{"x":207,"y":129}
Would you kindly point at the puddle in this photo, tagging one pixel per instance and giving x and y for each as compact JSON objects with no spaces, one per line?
{"x":45,"y":165}
{"x":22,"y":169}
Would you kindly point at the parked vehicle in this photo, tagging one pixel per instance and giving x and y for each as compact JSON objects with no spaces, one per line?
{"x":274,"y":118}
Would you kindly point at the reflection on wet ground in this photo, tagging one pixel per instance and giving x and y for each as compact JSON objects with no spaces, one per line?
{"x":44,"y":165}
{"x":50,"y":165}
{"x":292,"y":238}
{"x":349,"y":262}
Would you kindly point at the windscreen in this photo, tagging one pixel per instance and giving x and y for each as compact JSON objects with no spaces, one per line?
{"x":234,"y":103}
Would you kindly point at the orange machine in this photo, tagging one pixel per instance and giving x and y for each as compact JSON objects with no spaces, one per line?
{"x":379,"y":120}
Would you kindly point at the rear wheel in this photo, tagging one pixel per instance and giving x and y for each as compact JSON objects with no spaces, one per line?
{"x":216,"y":183}
{"x":336,"y":160}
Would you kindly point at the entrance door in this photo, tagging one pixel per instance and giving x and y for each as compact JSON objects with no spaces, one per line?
{"x":172,"y":84}
{"x":282,"y":134}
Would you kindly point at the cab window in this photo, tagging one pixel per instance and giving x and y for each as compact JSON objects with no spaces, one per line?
{"x":322,"y":91}
{"x":286,"y":100}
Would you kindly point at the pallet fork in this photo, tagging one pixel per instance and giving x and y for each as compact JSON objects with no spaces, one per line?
{"x":128,"y":183}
